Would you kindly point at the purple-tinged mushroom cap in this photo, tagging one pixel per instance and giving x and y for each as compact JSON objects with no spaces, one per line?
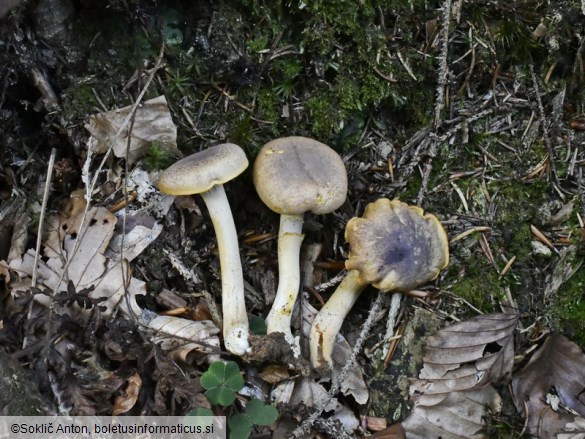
{"x":396,"y":247}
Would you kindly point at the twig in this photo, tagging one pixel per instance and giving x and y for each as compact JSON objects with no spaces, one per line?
{"x":189,"y":276}
{"x":391,"y":322}
{"x":331,"y":282}
{"x":50,"y":167}
{"x":336,"y":385}
{"x":125,"y":274}
{"x":440,"y":99}
{"x":427,"y":172}
{"x":542,"y":117}
{"x":443,"y":67}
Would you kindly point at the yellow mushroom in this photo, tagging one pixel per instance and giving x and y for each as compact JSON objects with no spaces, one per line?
{"x":395,"y":247}
{"x":204,"y":173}
{"x":294,"y":175}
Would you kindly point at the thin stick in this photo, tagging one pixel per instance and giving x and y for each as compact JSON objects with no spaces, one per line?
{"x":391,"y":322}
{"x":543,"y":123}
{"x":336,"y":385}
{"x":440,"y":99}
{"x":50,"y":167}
{"x":443,"y":66}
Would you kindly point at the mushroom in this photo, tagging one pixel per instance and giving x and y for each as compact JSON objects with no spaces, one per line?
{"x":204,"y":173}
{"x":294,"y":175}
{"x":395,"y":247}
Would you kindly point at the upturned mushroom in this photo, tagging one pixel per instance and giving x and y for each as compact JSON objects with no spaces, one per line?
{"x":294,"y":175}
{"x":394,"y":247}
{"x":204,"y":173}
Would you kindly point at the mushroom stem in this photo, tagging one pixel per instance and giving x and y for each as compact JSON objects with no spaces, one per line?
{"x":290,"y":237}
{"x":235,"y":319}
{"x":329,"y":319}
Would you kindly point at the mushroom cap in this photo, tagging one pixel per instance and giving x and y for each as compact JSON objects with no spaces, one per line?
{"x":395,"y":247}
{"x":201,"y":171}
{"x":294,"y":175}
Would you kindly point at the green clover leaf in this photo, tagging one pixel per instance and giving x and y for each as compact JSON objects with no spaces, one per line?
{"x":240,"y":426}
{"x":222,"y":381}
{"x":260,"y":413}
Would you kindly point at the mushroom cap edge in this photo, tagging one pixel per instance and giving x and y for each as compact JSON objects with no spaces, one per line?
{"x":199,"y":172}
{"x":316,"y":181}
{"x":375,"y":258}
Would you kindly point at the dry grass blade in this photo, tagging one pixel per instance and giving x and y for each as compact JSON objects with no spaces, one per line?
{"x":551,"y":384}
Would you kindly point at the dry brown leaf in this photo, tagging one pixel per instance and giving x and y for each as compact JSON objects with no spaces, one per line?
{"x":557,"y":369}
{"x":87,"y":266}
{"x":124,"y":403}
{"x":465,"y":356}
{"x":182,"y":337}
{"x":19,"y":239}
{"x":141,"y":231}
{"x":152,"y":124}
{"x":304,"y":391}
{"x":458,"y":416}
{"x":454,"y":388}
{"x":97,"y":260}
{"x":274,"y":373}
{"x":395,"y":431}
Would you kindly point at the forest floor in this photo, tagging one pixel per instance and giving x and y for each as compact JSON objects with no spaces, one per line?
{"x":471,"y":110}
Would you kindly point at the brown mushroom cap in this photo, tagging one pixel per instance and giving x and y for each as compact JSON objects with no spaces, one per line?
{"x":201,"y":171}
{"x":294,"y":175}
{"x":395,"y":247}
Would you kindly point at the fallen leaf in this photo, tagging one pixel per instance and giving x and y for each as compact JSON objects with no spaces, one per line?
{"x":465,"y":356}
{"x":557,"y":369}
{"x":454,"y":390}
{"x":152,"y":124}
{"x":459,"y":415}
{"x":19,"y":239}
{"x":274,"y":373}
{"x":124,"y":403}
{"x":395,"y":431}
{"x":182,"y":337}
{"x":141,"y":230}
{"x":85,"y":266}
{"x":305,"y":392}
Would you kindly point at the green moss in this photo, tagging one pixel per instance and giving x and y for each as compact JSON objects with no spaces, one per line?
{"x":518,"y":208}
{"x":258,"y":44}
{"x":480,"y":285}
{"x":157,"y":158}
{"x":268,"y":106}
{"x":242,"y":133}
{"x":79,"y":100}
{"x":324,"y":121}
{"x":568,"y":308}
